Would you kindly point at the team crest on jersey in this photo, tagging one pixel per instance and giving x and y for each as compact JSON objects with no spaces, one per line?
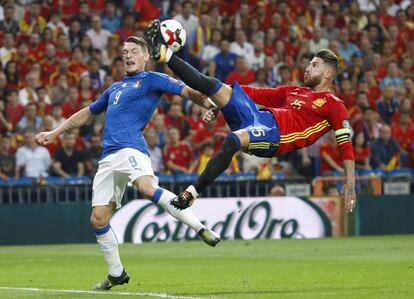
{"x":137,"y":84}
{"x":318,"y":103}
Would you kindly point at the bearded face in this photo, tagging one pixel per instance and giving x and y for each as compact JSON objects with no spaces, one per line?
{"x":312,"y":80}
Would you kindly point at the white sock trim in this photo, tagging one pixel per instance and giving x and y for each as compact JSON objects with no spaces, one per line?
{"x":192,"y":190}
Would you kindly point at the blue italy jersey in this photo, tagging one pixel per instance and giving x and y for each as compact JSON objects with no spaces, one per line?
{"x":129,"y":105}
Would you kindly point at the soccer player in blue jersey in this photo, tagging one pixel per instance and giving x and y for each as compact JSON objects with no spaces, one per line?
{"x":129,"y":105}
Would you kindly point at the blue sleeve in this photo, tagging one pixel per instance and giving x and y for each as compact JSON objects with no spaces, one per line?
{"x":101,"y":104}
{"x":164,"y":83}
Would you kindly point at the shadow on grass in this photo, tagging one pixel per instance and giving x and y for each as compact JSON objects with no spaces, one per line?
{"x":286,"y":291}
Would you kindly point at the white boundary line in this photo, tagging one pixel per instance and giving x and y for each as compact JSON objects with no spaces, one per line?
{"x":159,"y":295}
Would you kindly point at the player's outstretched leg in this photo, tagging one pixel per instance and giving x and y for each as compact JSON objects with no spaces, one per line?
{"x":217,"y":165}
{"x":209,"y":86}
{"x":109,"y":246}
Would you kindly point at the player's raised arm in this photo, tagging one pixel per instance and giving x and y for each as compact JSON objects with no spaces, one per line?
{"x":75,"y":121}
{"x":197,"y":97}
{"x":338,"y":119}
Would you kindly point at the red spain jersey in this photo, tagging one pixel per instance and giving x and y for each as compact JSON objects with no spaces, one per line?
{"x":303,"y":116}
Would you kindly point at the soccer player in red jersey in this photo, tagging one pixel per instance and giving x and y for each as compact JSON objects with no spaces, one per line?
{"x":294,"y":117}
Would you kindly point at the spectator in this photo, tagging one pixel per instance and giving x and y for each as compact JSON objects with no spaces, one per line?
{"x":7,"y":159}
{"x":12,"y":74}
{"x":261,"y":78}
{"x":86,"y":93}
{"x":403,"y":131}
{"x":68,"y":161}
{"x":75,"y":33}
{"x":175,"y":118}
{"x":57,"y":25}
{"x":30,"y":120}
{"x":178,"y":155}
{"x":23,"y":61}
{"x":188,"y":20}
{"x":83,"y":16}
{"x":8,"y":50}
{"x":318,"y":42}
{"x":43,"y":104}
{"x":56,"y":113}
{"x":128,"y":27}
{"x":71,"y":105}
{"x":242,"y":73}
{"x":9,"y":23}
{"x":47,"y":125}
{"x":32,"y":19}
{"x":60,"y":90}
{"x":348,"y":94}
{"x":330,"y":159}
{"x":63,"y":69}
{"x":285,"y":75}
{"x":388,"y":104}
{"x":224,"y":61}
{"x":3,"y":86}
{"x":392,"y":78}
{"x":148,"y":10}
{"x":48,"y":64}
{"x":98,"y":35}
{"x":5,"y":125}
{"x":65,"y":9}
{"x":298,"y":72}
{"x":242,"y":17}
{"x":356,"y":111}
{"x":110,"y":21}
{"x":347,"y":49}
{"x":159,"y":125}
{"x":95,"y":73}
{"x":63,"y":50}
{"x":211,"y":49}
{"x":28,"y":94}
{"x":14,"y":109}
{"x":329,"y":30}
{"x":32,"y":160}
{"x":207,"y":152}
{"x":240,"y":46}
{"x":385,"y":152}
{"x":93,"y":154}
{"x":203,"y":35}
{"x":257,"y":58}
{"x":277,"y":190}
{"x":155,"y":152}
{"x":254,"y":31}
{"x":367,"y":54}
{"x":362,"y":152}
{"x":271,"y":71}
{"x":76,"y":64}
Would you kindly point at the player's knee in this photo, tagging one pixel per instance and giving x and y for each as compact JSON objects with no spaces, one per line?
{"x":231,"y":143}
{"x":147,"y":191}
{"x":98,"y":220}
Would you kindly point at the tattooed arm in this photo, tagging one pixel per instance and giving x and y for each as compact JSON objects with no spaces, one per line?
{"x":75,"y":121}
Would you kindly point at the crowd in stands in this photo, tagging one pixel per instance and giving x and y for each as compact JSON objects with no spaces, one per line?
{"x":56,"y":57}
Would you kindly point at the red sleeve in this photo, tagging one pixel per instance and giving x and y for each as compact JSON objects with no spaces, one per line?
{"x":268,"y":97}
{"x":338,"y":119}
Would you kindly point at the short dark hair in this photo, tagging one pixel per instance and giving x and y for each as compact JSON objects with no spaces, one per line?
{"x":139,"y":41}
{"x":329,"y":57}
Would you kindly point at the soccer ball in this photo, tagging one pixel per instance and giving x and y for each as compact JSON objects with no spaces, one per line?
{"x":173,"y":34}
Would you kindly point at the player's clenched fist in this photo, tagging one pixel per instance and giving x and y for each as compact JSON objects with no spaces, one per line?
{"x":211,"y":114}
{"x":45,"y":138}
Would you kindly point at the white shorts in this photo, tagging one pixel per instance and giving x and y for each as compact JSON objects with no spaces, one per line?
{"x":115,"y":171}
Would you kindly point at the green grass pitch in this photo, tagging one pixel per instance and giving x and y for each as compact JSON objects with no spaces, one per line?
{"x":371,"y":267}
